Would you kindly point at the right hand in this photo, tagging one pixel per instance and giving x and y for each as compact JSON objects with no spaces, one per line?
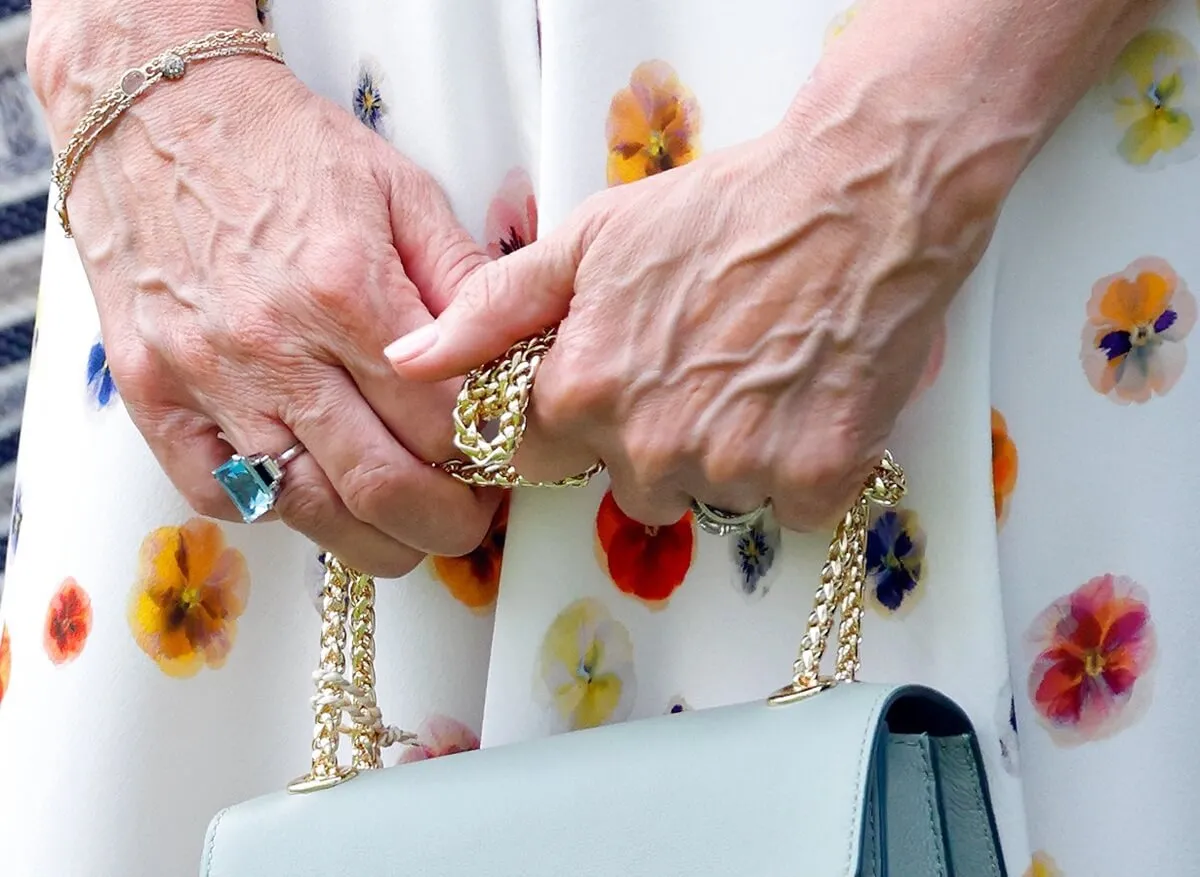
{"x":252,"y":248}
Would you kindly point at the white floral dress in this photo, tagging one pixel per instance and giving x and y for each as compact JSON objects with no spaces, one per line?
{"x":154,"y":666}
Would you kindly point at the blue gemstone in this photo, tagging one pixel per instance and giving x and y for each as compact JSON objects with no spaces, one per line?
{"x":248,"y":486}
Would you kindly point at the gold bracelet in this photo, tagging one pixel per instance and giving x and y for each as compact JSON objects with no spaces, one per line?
{"x":170,"y":65}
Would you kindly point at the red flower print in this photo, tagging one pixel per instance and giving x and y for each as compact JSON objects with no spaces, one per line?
{"x":68,"y":623}
{"x":645,"y":562}
{"x":1134,"y":338}
{"x":438,"y":736}
{"x":1095,"y":648}
{"x":512,"y":218}
{"x":5,"y":660}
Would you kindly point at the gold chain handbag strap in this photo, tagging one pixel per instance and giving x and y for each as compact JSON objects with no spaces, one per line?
{"x":348,"y":707}
{"x":498,"y":393}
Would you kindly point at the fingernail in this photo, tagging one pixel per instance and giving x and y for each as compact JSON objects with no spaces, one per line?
{"x":412,"y":345}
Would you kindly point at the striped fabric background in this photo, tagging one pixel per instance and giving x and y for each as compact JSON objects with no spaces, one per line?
{"x":24,"y":173}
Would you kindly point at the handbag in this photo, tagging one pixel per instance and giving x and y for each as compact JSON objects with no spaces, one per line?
{"x":827,"y":777}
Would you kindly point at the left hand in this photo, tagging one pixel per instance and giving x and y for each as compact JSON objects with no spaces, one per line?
{"x":743,"y":328}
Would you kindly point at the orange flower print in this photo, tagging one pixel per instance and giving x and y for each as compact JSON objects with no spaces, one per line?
{"x":68,"y":623}
{"x":1042,"y":866}
{"x":438,"y":736}
{"x":1094,"y":648}
{"x":474,"y":579}
{"x":512,"y":217}
{"x":653,"y":125}
{"x":5,"y":660}
{"x":648,"y":563}
{"x":1133,"y":340}
{"x":1004,"y":465}
{"x":190,"y":591}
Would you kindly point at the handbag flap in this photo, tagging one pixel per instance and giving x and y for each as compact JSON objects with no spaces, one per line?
{"x":750,"y":790}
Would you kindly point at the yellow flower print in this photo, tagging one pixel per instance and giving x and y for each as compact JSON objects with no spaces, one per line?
{"x":586,"y":667}
{"x":841,"y":21}
{"x":653,"y":125}
{"x":191,"y":589}
{"x":1153,"y":92}
{"x":1042,"y":866}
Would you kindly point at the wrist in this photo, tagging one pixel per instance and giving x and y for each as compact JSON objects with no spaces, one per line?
{"x":79,"y":48}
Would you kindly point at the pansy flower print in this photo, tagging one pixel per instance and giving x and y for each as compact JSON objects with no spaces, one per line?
{"x":1006,"y":721}
{"x":653,"y":125}
{"x":99,"y":378}
{"x":755,"y":555}
{"x":1153,"y":93}
{"x":512,"y":217}
{"x":5,"y":660}
{"x":1094,"y":648}
{"x":474,"y":579}
{"x":1004,"y":466}
{"x":895,"y":559}
{"x":438,"y":736}
{"x":840,"y":22}
{"x":1133,"y":340}
{"x":1042,"y":866}
{"x":368,"y":101}
{"x":648,"y":563}
{"x":677,"y":705}
{"x":585,"y":668}
{"x":68,"y":623}
{"x":191,"y":589}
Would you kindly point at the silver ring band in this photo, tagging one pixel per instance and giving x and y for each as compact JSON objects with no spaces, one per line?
{"x":720,"y":522}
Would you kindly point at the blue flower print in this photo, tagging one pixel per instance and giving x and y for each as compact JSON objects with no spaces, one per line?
{"x":99,"y":378}
{"x":895,"y":558}
{"x":755,"y":553}
{"x":368,"y":98}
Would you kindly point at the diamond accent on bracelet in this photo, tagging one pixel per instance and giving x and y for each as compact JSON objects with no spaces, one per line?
{"x":173,"y":66}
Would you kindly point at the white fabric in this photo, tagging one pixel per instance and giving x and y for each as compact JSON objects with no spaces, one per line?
{"x":109,"y":767}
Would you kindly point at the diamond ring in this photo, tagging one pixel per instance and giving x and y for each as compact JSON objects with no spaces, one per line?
{"x":253,"y":483}
{"x":720,"y":522}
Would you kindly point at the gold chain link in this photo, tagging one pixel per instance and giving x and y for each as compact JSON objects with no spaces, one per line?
{"x":843,"y":580}
{"x":324,"y":770}
{"x":135,"y":82}
{"x":498,"y":394}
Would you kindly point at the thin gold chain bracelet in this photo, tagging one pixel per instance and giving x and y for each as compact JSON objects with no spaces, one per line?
{"x":169,"y":65}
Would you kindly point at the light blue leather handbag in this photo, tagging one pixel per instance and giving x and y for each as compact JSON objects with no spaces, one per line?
{"x":828,"y":777}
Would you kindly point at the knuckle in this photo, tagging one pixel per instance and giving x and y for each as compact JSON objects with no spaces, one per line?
{"x":368,"y":488}
{"x":653,"y":458}
{"x":306,"y":506}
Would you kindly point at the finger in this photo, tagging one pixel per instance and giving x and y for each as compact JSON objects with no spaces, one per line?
{"x":437,"y":252}
{"x":379,"y":481}
{"x":652,"y":505}
{"x":495,"y":306}
{"x":819,"y":504}
{"x":187,"y":446}
{"x":308,"y":503}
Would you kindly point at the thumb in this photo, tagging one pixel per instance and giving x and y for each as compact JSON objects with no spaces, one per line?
{"x":495,"y":306}
{"x":437,"y":252}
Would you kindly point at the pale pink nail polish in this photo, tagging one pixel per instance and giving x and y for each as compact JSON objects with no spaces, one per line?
{"x":412,"y":345}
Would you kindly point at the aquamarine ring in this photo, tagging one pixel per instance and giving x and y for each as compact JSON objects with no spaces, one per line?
{"x":253,"y":483}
